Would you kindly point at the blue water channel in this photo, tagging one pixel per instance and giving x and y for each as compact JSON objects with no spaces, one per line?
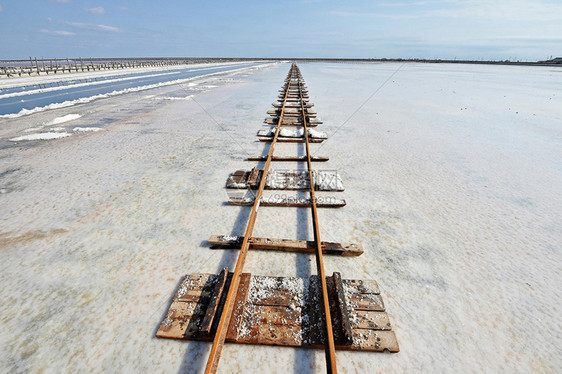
{"x":98,"y":86}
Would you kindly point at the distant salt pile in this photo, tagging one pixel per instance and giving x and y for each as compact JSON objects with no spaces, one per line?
{"x":63,"y":119}
{"x":41,"y":136}
{"x":86,"y":129}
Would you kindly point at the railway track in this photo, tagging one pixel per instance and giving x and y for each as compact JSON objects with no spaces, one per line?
{"x":329,"y":312}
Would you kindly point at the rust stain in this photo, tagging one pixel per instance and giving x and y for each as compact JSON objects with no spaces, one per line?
{"x":6,"y":239}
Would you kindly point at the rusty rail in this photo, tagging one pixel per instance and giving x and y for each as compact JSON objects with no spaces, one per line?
{"x":330,"y":345}
{"x":220,"y":335}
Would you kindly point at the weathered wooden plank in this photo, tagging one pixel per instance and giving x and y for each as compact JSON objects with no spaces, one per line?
{"x":238,"y":179}
{"x":366,"y":301}
{"x":292,"y":105}
{"x":288,"y":158}
{"x":176,"y":321}
{"x":267,"y":334}
{"x":274,"y":308}
{"x":314,"y":330}
{"x":277,"y":299}
{"x":292,"y":180}
{"x":188,"y":307}
{"x":295,"y":98}
{"x":289,"y":140}
{"x":194,"y":296}
{"x":215,"y":297}
{"x":302,"y":246}
{"x":346,"y":249}
{"x":291,"y":122}
{"x":277,"y":314}
{"x":292,"y":112}
{"x":288,"y":180}
{"x":368,"y":319}
{"x":283,"y":335}
{"x":290,"y":202}
{"x":239,"y":306}
{"x":375,"y":340}
{"x":358,"y":286}
{"x":338,"y":296}
{"x":292,"y":116}
{"x":254,"y":178}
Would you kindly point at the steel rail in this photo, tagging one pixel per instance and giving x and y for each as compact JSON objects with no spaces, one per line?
{"x":329,"y":346}
{"x":220,"y":334}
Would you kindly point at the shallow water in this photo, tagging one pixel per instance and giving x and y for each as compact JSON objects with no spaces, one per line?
{"x":14,"y":99}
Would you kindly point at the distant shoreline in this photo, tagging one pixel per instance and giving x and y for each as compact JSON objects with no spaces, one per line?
{"x":192,"y":60}
{"x":35,"y":67}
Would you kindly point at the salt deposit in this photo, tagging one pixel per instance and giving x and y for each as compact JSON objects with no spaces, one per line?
{"x":63,"y":119}
{"x":42,"y":136}
{"x":292,"y":133}
{"x":86,"y":129}
{"x":453,"y":176}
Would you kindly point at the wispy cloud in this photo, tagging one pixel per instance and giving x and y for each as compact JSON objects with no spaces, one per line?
{"x":61,"y":1}
{"x":108,"y":28}
{"x":90,"y":26}
{"x":98,"y":11}
{"x":1,"y":9}
{"x":57,"y":32}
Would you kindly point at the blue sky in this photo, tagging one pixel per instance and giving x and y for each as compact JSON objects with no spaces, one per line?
{"x":467,"y":29}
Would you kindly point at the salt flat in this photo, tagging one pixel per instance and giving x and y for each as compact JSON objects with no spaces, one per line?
{"x":453,"y":177}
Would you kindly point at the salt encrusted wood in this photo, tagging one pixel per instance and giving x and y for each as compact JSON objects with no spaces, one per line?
{"x":238,"y":179}
{"x":254,"y":178}
{"x":324,"y":180}
{"x":302,"y":246}
{"x":293,"y":119}
{"x":342,"y":311}
{"x":294,"y":99}
{"x":210,"y":313}
{"x":295,"y":133}
{"x":289,"y":140}
{"x":283,"y":311}
{"x":291,"y":112}
{"x":296,"y":202}
{"x":279,"y":105}
{"x":288,"y":121}
{"x":239,"y":306}
{"x":188,"y":307}
{"x":288,"y":158}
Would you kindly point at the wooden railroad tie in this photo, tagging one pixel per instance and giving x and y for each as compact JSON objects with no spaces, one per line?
{"x":291,"y":121}
{"x":281,"y":311}
{"x":291,"y":202}
{"x":292,"y":180}
{"x":288,"y":158}
{"x":285,"y":245}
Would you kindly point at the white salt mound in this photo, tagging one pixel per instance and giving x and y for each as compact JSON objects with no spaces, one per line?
{"x":63,"y":119}
{"x":41,"y":136}
{"x":86,"y":129}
